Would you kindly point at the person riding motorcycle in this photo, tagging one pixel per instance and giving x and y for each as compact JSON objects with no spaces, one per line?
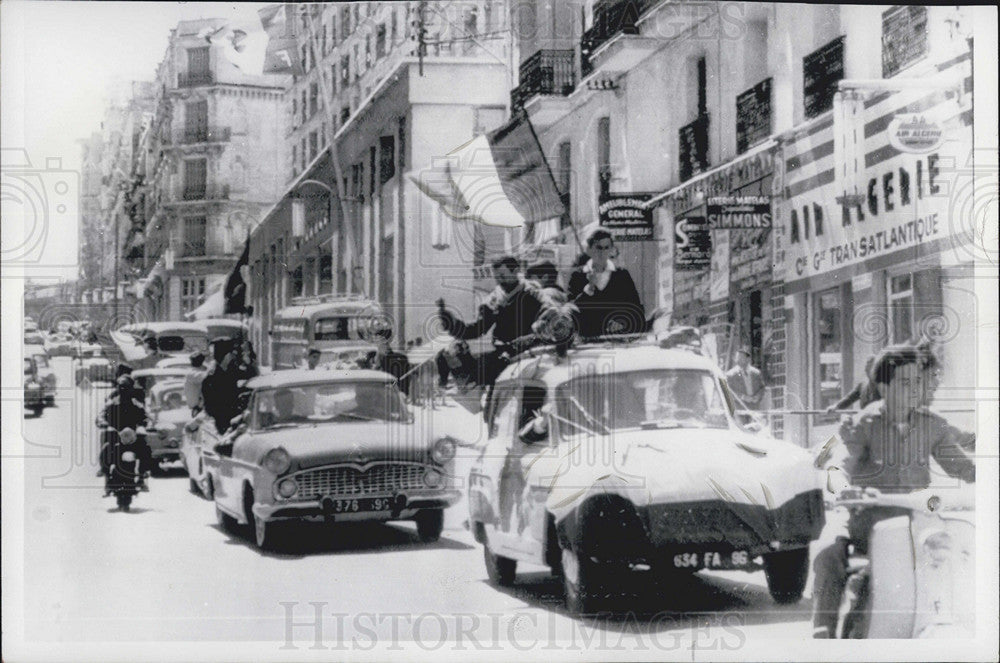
{"x":123,"y":412}
{"x":888,"y":448}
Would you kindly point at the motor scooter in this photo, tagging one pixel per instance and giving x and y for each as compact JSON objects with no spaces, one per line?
{"x":124,"y":463}
{"x":918,"y":580}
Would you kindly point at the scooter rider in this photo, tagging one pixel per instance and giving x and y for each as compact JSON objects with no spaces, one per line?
{"x":888,"y":447}
{"x":124,"y":411}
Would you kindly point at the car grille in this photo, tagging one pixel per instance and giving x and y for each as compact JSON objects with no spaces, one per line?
{"x":349,"y":480}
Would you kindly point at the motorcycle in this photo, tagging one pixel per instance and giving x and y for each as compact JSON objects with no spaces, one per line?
{"x":918,"y":580}
{"x":125,"y":465}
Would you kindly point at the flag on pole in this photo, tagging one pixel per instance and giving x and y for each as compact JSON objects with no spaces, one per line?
{"x":499,"y":179}
{"x":256,"y":42}
{"x":235,"y":290}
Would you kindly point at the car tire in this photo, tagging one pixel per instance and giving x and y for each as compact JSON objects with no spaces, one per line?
{"x":584,"y":583}
{"x":786,"y":573}
{"x":501,"y":570}
{"x":193,"y":487}
{"x":226,"y":522}
{"x":430,"y":524}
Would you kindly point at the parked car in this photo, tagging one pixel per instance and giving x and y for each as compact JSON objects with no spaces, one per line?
{"x":622,"y":459}
{"x":46,"y":374}
{"x":167,"y":415}
{"x":147,"y":378}
{"x":34,"y":393}
{"x":332,"y":445}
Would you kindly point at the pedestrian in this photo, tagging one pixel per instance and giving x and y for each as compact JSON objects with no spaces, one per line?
{"x":888,"y":447}
{"x":312,"y":358}
{"x":384,"y":358}
{"x":604,"y":292}
{"x":193,"y":380}
{"x":745,"y":380}
{"x":864,"y":393}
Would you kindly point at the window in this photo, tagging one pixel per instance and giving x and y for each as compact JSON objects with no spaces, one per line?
{"x":295,"y":159}
{"x":333,"y":78}
{"x":322,"y":40}
{"x":345,"y":22}
{"x":326,"y":272}
{"x":901,"y":307}
{"x":313,"y":98}
{"x":368,"y":52}
{"x":393,"y":35}
{"x":196,"y":121}
{"x":345,"y":71}
{"x":603,"y":156}
{"x":297,"y":282}
{"x":194,"y":235}
{"x":305,"y":108}
{"x":827,"y":306}
{"x":305,"y":157}
{"x":198,"y":65}
{"x":387,"y":158}
{"x":295,"y":112}
{"x":345,"y":115}
{"x":192,"y":294}
{"x":702,"y":76}
{"x":380,"y":39}
{"x":304,"y":59}
{"x":357,"y":67}
{"x":313,"y":145}
{"x":564,"y":171}
{"x":195,"y":176}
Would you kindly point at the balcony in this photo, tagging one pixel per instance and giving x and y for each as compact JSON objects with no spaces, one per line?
{"x":205,"y":193}
{"x":547,"y":72}
{"x":194,"y":78}
{"x":205,"y":135}
{"x":613,"y":43}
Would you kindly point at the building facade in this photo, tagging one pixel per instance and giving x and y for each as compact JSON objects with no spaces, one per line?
{"x":384,"y":90}
{"x":726,"y":118}
{"x":212,"y":163}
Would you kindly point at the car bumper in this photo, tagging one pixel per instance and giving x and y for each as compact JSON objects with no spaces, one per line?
{"x":722,"y":525}
{"x":412,"y":502}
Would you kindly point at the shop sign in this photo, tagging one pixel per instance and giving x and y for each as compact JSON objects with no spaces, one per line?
{"x":750,"y":261}
{"x":724,"y":181}
{"x":915,"y":133}
{"x":692,"y":243}
{"x":739,"y":212}
{"x":627,"y":216}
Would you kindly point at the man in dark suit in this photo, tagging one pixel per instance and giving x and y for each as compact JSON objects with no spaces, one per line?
{"x":605,"y":293}
{"x":746,"y":381}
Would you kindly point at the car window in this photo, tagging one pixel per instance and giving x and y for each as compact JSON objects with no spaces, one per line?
{"x":670,"y":398}
{"x":342,"y":402}
{"x":503,"y":407}
{"x":532,"y":399}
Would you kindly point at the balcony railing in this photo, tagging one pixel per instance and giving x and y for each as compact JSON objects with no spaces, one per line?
{"x":206,"y":135}
{"x":194,"y":78}
{"x":611,"y":18}
{"x":545,"y":72}
{"x":206,"y":193}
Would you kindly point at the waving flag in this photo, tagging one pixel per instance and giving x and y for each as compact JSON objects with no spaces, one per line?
{"x":256,"y":42}
{"x":235,"y":290}
{"x":498,"y":179}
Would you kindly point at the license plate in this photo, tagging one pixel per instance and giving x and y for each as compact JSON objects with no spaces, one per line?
{"x":712,"y":560}
{"x":362,"y":505}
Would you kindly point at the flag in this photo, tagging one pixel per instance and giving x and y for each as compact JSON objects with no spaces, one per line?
{"x":499,"y":179}
{"x":243,"y":41}
{"x":235,"y":290}
{"x":282,"y":54}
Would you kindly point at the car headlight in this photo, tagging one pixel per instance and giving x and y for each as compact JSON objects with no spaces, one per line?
{"x":287,"y":488}
{"x":443,"y":450}
{"x":277,"y":461}
{"x":432,"y":478}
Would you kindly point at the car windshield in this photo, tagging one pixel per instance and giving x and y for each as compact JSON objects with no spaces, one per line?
{"x":172,"y":399}
{"x":339,"y":402}
{"x":654,"y":399}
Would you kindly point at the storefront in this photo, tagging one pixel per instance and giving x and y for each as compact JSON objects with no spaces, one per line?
{"x":870,"y":242}
{"x":716,"y":273}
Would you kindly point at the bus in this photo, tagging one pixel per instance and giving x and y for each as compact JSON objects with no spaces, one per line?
{"x":334,"y":324}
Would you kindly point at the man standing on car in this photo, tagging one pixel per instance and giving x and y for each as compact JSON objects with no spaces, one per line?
{"x":510,"y":311}
{"x":888,"y":447}
{"x":745,"y":380}
{"x":604,"y":292}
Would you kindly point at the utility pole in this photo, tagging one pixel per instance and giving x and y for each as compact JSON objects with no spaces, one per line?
{"x":316,"y":53}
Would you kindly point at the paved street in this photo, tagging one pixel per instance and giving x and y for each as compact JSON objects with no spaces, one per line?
{"x":166,"y":571}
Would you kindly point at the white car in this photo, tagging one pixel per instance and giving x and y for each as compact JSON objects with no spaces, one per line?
{"x":623,"y":459}
{"x":46,"y":374}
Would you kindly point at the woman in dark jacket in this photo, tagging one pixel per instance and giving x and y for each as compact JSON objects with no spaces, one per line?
{"x":604,"y":293}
